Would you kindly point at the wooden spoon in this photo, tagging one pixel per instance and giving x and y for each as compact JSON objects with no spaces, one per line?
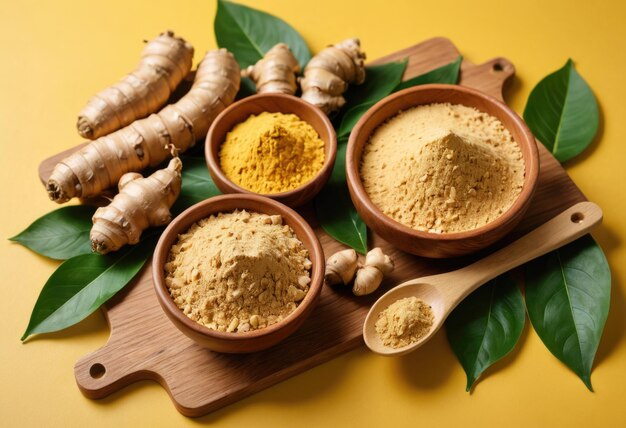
{"x":445,"y":291}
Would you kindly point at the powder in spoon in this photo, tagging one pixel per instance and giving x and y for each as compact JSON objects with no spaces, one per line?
{"x":442,"y":168}
{"x":404,"y":322}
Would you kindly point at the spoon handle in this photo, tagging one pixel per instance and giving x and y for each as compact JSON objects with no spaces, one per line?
{"x":566,"y":227}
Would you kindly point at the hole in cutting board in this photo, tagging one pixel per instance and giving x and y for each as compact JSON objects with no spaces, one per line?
{"x":97,"y":370}
{"x":577,"y":217}
{"x":498,"y":67}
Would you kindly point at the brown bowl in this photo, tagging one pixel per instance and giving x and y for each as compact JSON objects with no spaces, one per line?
{"x":255,"y":340}
{"x":445,"y":244}
{"x":273,"y":103}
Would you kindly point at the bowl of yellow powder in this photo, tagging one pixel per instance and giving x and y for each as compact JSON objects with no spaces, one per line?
{"x":441,"y":170}
{"x":274,"y":145}
{"x":238,"y":273}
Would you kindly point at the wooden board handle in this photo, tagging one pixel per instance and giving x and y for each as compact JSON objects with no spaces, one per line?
{"x":490,"y":76}
{"x":97,"y":375}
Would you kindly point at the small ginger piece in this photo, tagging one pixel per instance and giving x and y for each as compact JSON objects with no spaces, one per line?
{"x":340,"y":267}
{"x":369,"y":277}
{"x":165,"y":61}
{"x":275,"y":72}
{"x":145,"y":142}
{"x":141,"y":203}
{"x":327,"y":75}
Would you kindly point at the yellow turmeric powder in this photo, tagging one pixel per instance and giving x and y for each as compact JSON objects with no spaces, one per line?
{"x":272,"y":153}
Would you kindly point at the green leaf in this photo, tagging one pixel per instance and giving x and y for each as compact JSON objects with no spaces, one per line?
{"x":380,"y":80}
{"x":563,"y":113}
{"x":448,"y":73}
{"x":81,"y":284}
{"x":197,"y":184}
{"x":60,"y":234}
{"x":567,"y":295}
{"x":335,"y":211}
{"x":333,"y":205}
{"x":351,"y":117}
{"x":249,"y":33}
{"x":486,"y":326}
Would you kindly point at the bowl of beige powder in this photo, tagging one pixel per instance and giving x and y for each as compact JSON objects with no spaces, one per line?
{"x":441,"y":170}
{"x":238,"y":273}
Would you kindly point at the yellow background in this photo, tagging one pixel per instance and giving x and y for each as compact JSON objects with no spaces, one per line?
{"x":55,"y":54}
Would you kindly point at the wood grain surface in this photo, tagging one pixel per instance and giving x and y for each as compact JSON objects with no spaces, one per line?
{"x":144,"y":344}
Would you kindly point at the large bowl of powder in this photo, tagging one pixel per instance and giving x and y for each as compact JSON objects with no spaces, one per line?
{"x":274,"y":145}
{"x":238,"y":273}
{"x":441,"y":170}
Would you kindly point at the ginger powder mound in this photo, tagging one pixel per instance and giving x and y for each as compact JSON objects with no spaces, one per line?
{"x":272,"y":153}
{"x":442,"y":168}
{"x":238,"y":271}
{"x":404,"y":322}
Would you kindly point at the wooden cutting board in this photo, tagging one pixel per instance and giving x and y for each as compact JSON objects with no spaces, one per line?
{"x":144,"y":344}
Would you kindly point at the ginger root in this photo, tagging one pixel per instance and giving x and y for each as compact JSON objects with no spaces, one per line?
{"x":327,"y":75}
{"x":275,"y":72}
{"x":141,"y":203}
{"x":340,"y":267}
{"x":165,"y":61}
{"x":369,"y":277}
{"x":145,"y":142}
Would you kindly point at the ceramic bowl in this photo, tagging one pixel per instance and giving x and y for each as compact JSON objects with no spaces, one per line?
{"x":256,"y":104}
{"x":254,"y":340}
{"x":445,"y":244}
